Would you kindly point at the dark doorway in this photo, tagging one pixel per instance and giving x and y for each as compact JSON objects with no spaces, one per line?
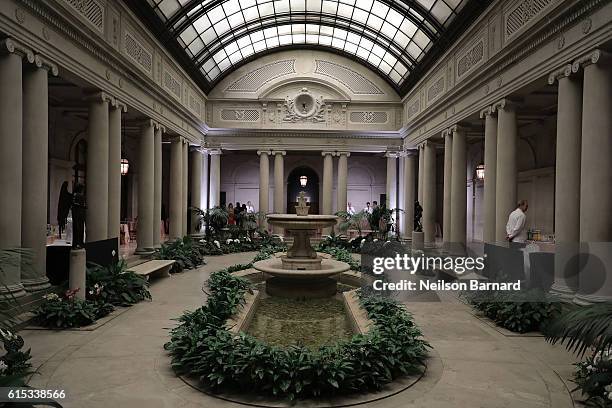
{"x":311,"y":189}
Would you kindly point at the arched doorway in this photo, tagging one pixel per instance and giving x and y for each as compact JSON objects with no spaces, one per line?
{"x":311,"y":189}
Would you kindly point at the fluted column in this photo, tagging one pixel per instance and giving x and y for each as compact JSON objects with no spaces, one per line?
{"x":342,"y":180}
{"x":448,"y":175}
{"x":157,"y":186}
{"x":185,"y":185}
{"x":96,"y":225}
{"x":215,"y":177}
{"x":328,"y":177}
{"x":204,"y":189}
{"x":429,"y":192}
{"x":490,"y":163}
{"x":459,"y":190}
{"x":409,"y":196}
{"x":567,"y":180}
{"x":279,"y":185}
{"x":35,"y":170}
{"x":420,"y":174}
{"x":196,"y":186}
{"x":146,"y":188}
{"x":264,"y":187}
{"x":176,"y":188}
{"x":114,"y":168}
{"x":595,"y":277}
{"x":11,"y":161}
{"x":391,"y":185}
{"x":506,"y":177}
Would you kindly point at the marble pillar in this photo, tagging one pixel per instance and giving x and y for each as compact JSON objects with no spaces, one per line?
{"x":176,"y":188}
{"x":264,"y":187}
{"x":196,"y":187}
{"x":567,"y":181}
{"x":459,"y":191}
{"x":595,"y":275}
{"x":185,"y":188}
{"x":279,"y":186}
{"x":157,"y":186}
{"x":490,"y":163}
{"x":215,"y":177}
{"x":328,"y":177}
{"x":35,"y":171}
{"x":391,"y":180}
{"x":342,"y":180}
{"x":96,"y":224}
{"x":429,"y":192}
{"x":506,"y":172}
{"x":146,"y":187}
{"x":446,"y":201}
{"x":420,"y":174}
{"x":409,"y":193}
{"x":114,"y":168}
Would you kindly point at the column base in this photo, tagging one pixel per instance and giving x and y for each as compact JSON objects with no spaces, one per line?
{"x":418,"y":240}
{"x":8,"y":292}
{"x":36,"y":284}
{"x":144,"y":251}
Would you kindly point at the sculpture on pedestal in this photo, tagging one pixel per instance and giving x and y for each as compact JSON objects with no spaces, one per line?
{"x":78,"y":215}
{"x":63,"y":208}
{"x":418,"y":214}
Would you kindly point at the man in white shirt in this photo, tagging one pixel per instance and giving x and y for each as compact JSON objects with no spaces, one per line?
{"x":350,"y":209}
{"x":515,"y":228}
{"x":367,"y":208}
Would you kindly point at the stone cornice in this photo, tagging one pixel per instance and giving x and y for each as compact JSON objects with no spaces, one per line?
{"x":593,"y":57}
{"x":563,"y":72}
{"x":302,"y":133}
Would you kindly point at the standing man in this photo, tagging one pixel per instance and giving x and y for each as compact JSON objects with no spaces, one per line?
{"x":350,"y":209}
{"x":515,"y":228}
{"x":368,"y":209}
{"x":249,"y":208}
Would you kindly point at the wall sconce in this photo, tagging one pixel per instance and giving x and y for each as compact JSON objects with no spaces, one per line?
{"x":125,"y":166}
{"x":480,"y":171}
{"x":303,"y":181}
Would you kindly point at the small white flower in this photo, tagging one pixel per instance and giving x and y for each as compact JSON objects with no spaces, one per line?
{"x":281,"y":238}
{"x":590,"y":368}
{"x":375,"y":240}
{"x":236,"y":241}
{"x":203,"y":241}
{"x":248,"y":239}
{"x":228,"y":241}
{"x":217,"y":244}
{"x":3,"y":366}
{"x":91,"y":292}
{"x":362,"y":243}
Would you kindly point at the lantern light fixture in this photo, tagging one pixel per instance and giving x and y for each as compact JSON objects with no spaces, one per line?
{"x":480,"y":171}
{"x":303,"y":181}
{"x":125,"y":166}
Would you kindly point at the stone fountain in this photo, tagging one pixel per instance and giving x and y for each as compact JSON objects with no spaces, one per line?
{"x":301,"y":272}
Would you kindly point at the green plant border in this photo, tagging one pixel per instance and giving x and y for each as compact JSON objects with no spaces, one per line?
{"x":201,"y":347}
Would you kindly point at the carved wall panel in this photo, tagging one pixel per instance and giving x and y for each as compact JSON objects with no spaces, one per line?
{"x":254,"y":80}
{"x":138,"y":52}
{"x":91,"y":10}
{"x":357,"y":83}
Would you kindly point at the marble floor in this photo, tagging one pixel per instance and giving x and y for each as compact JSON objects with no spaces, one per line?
{"x":122,"y":364}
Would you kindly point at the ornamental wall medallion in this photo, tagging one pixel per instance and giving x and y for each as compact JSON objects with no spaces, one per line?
{"x":304,"y":107}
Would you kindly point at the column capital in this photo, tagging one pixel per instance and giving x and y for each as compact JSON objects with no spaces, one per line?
{"x":117,"y":104}
{"x":560,"y":73}
{"x":43,"y":63}
{"x":596,"y":56}
{"x":410,"y":153}
{"x":146,"y":123}
{"x":506,"y":104}
{"x":347,"y":154}
{"x":447,"y":133}
{"x":267,"y":152}
{"x":281,"y":152}
{"x":459,"y":128}
{"x":332,"y":154}
{"x":99,"y":96}
{"x":214,"y":151}
{"x":392,"y":154}
{"x":159,"y":126}
{"x":488,"y":111}
{"x":12,"y":46}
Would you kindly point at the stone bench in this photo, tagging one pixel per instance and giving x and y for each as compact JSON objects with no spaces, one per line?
{"x":161,"y":267}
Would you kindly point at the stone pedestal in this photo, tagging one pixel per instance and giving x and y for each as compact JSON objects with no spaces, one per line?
{"x":418,"y":240}
{"x":77,"y":274}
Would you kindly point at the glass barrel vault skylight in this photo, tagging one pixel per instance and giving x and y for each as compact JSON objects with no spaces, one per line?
{"x":388,"y":36}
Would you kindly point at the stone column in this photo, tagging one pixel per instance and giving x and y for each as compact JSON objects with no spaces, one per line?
{"x":490,"y":163}
{"x":204,"y":188}
{"x":328,"y":176}
{"x":96,"y":224}
{"x":595,"y":276}
{"x":176,"y":188}
{"x":409,"y":196}
{"x":391,"y":186}
{"x":215,"y":177}
{"x":279,"y":186}
{"x":506,"y":173}
{"x":446,"y":204}
{"x":157,"y":185}
{"x":459,"y":190}
{"x":567,"y":181}
{"x":35,"y":170}
{"x":146,"y":188}
{"x":114,"y":168}
{"x":342,"y":180}
{"x":264,"y":187}
{"x":185,"y":185}
{"x":420,"y":174}
{"x":429,"y":192}
{"x":196,"y":186}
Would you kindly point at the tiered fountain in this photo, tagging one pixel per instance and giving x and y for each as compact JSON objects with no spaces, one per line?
{"x":301,"y":272}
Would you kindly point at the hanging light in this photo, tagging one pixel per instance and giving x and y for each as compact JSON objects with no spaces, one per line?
{"x":125,"y":166}
{"x":480,"y":171}
{"x":303,"y":181}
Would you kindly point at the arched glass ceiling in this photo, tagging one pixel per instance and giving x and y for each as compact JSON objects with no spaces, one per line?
{"x":390,"y":36}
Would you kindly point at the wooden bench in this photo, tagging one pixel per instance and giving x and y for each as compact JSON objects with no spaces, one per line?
{"x":149,"y":268}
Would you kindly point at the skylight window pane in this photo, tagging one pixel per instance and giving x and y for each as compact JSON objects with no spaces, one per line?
{"x":285,"y":39}
{"x":219,"y":56}
{"x":312,"y":38}
{"x":350,"y":47}
{"x":421,"y":39}
{"x":169,"y":7}
{"x":389,"y":59}
{"x":313,"y":5}
{"x":338,"y":43}
{"x":201,"y":24}
{"x":326,"y":30}
{"x":235,"y":57}
{"x":312,"y":28}
{"x":196,"y":46}
{"x":408,"y":27}
{"x":236,"y":20}
{"x":257,"y":36}
{"x":208,"y":65}
{"x":344,"y":10}
{"x":214,"y":73}
{"x":259,"y":46}
{"x":413,"y":50}
{"x":388,"y":30}
{"x":272,"y":42}
{"x":374,"y":22}
{"x":360,"y":15}
{"x":329,"y":7}
{"x":188,"y":35}
{"x":209,"y":36}
{"x":441,"y":11}
{"x":231,"y":48}
{"x":364,"y":4}
{"x":222,"y":27}
{"x":363,"y":53}
{"x":365,"y":43}
{"x":378,"y":50}
{"x":298,"y":28}
{"x":298,"y":5}
{"x":248,"y":50}
{"x":427,"y":4}
{"x":340,"y":33}
{"x":281,"y":6}
{"x":266,"y":9}
{"x":216,"y":14}
{"x":231,"y":7}
{"x":325,"y":40}
{"x":374,"y":60}
{"x":380,"y":9}
{"x":394,"y":18}
{"x":400,"y":68}
{"x":297,"y":38}
{"x":395,"y":77}
{"x":354,"y":38}
{"x":250,"y":13}
{"x":223,"y":65}
{"x":270,"y":32}
{"x":384,"y":67}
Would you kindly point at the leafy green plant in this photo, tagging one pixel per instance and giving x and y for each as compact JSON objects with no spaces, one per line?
{"x":516,"y":311}
{"x":333,"y":241}
{"x":15,"y":363}
{"x":201,"y":346}
{"x":70,"y":311}
{"x":343,"y":255}
{"x":593,"y":377}
{"x":358,"y":221}
{"x":185,"y":251}
{"x":116,"y":285}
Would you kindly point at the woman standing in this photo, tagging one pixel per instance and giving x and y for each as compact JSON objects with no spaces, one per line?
{"x":231,"y":216}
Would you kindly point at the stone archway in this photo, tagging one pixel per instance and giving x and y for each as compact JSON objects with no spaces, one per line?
{"x":311,"y":189}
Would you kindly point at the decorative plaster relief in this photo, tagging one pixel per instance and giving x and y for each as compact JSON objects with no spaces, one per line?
{"x":304,"y":107}
{"x":413,"y":108}
{"x":240,"y":115}
{"x":471,"y":58}
{"x":522,"y":14}
{"x":91,"y":11}
{"x":20,"y":15}
{"x":357,"y":83}
{"x":172,"y":84}
{"x":194,"y":104}
{"x":254,"y":80}
{"x":368,"y":117}
{"x":435,"y":90}
{"x":137,"y":52}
